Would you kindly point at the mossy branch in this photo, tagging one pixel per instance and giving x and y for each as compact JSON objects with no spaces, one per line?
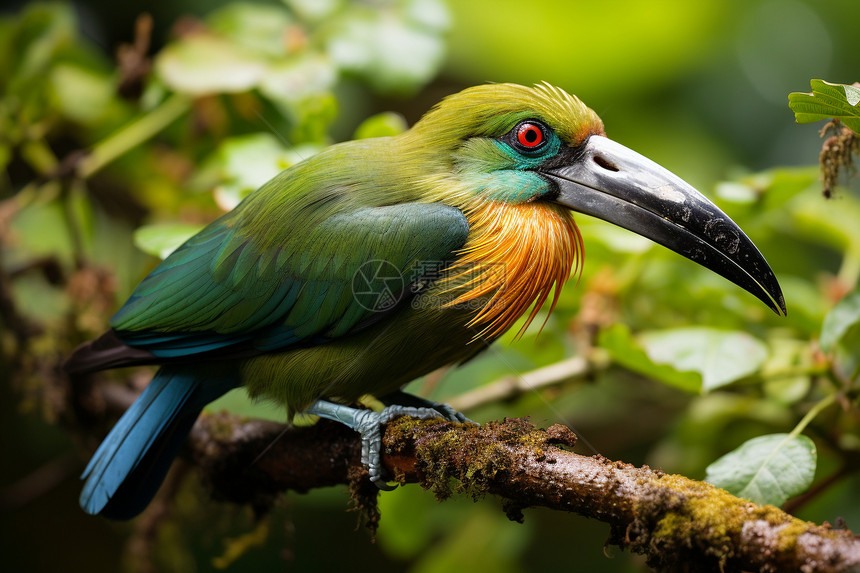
{"x":678,"y":523}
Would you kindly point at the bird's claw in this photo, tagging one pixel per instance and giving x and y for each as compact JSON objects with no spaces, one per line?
{"x":450,"y":414}
{"x":369,"y":425}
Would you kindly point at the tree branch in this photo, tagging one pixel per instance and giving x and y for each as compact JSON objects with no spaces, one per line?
{"x":678,"y":523}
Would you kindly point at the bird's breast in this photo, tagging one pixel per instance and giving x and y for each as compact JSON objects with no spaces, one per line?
{"x":516,"y":255}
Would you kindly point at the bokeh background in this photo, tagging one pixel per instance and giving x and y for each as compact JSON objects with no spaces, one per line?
{"x":700,"y":87}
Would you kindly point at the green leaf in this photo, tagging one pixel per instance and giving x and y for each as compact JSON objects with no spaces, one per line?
{"x":296,"y":79}
{"x":736,"y":192}
{"x":839,"y":321}
{"x":766,"y":469}
{"x":243,"y":163}
{"x":852,"y":94}
{"x":721,"y":357}
{"x":205,"y":64}
{"x":381,"y":125}
{"x":314,"y":10}
{"x":827,"y":101}
{"x":41,"y":230}
{"x":83,"y":95}
{"x":163,"y":238}
{"x":315,"y":115}
{"x":259,"y":27}
{"x":42,"y":31}
{"x":395,"y":50}
{"x":624,"y":350}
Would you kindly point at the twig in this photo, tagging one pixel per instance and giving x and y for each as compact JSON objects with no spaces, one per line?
{"x":133,"y":134}
{"x":512,"y":386}
{"x":132,"y":62}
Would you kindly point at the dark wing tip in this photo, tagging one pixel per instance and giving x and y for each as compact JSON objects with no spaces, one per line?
{"x":106,"y":351}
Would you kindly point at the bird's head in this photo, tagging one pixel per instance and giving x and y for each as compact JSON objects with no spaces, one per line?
{"x":515,"y":145}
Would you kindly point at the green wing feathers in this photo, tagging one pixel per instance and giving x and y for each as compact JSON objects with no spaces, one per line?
{"x":224,"y":287}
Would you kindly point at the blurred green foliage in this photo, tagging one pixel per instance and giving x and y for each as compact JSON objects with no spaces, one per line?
{"x":231,"y":97}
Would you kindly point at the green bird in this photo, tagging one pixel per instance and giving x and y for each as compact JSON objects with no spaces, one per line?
{"x":377,"y":261}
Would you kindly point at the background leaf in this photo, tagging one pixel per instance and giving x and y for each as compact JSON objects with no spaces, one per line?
{"x":243,"y":163}
{"x":381,"y":125}
{"x":162,"y":239}
{"x":844,"y":316}
{"x":766,"y":469}
{"x":625,"y":350}
{"x":205,"y":64}
{"x":721,"y":357}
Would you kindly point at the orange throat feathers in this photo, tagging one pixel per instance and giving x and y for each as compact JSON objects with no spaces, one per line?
{"x":517,"y":254}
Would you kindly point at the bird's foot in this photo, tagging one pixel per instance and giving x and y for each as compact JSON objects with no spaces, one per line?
{"x":370,"y":428}
{"x":369,"y":424}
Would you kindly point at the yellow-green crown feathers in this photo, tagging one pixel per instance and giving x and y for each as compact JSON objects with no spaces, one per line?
{"x":491,"y":110}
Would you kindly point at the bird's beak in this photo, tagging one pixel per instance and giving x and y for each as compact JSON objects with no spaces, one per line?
{"x":606,"y":180}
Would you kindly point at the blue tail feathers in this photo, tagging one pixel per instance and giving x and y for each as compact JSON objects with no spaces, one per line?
{"x":127,"y":469}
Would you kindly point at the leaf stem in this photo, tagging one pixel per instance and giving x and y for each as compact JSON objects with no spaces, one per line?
{"x":133,"y":134}
{"x":813,"y":412}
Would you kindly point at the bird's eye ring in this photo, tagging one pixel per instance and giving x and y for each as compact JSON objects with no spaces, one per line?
{"x":529,"y":136}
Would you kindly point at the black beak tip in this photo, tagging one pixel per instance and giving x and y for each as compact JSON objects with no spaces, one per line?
{"x":780,"y":304}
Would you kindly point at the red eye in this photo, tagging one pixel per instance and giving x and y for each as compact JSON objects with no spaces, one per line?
{"x":529,"y":135}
